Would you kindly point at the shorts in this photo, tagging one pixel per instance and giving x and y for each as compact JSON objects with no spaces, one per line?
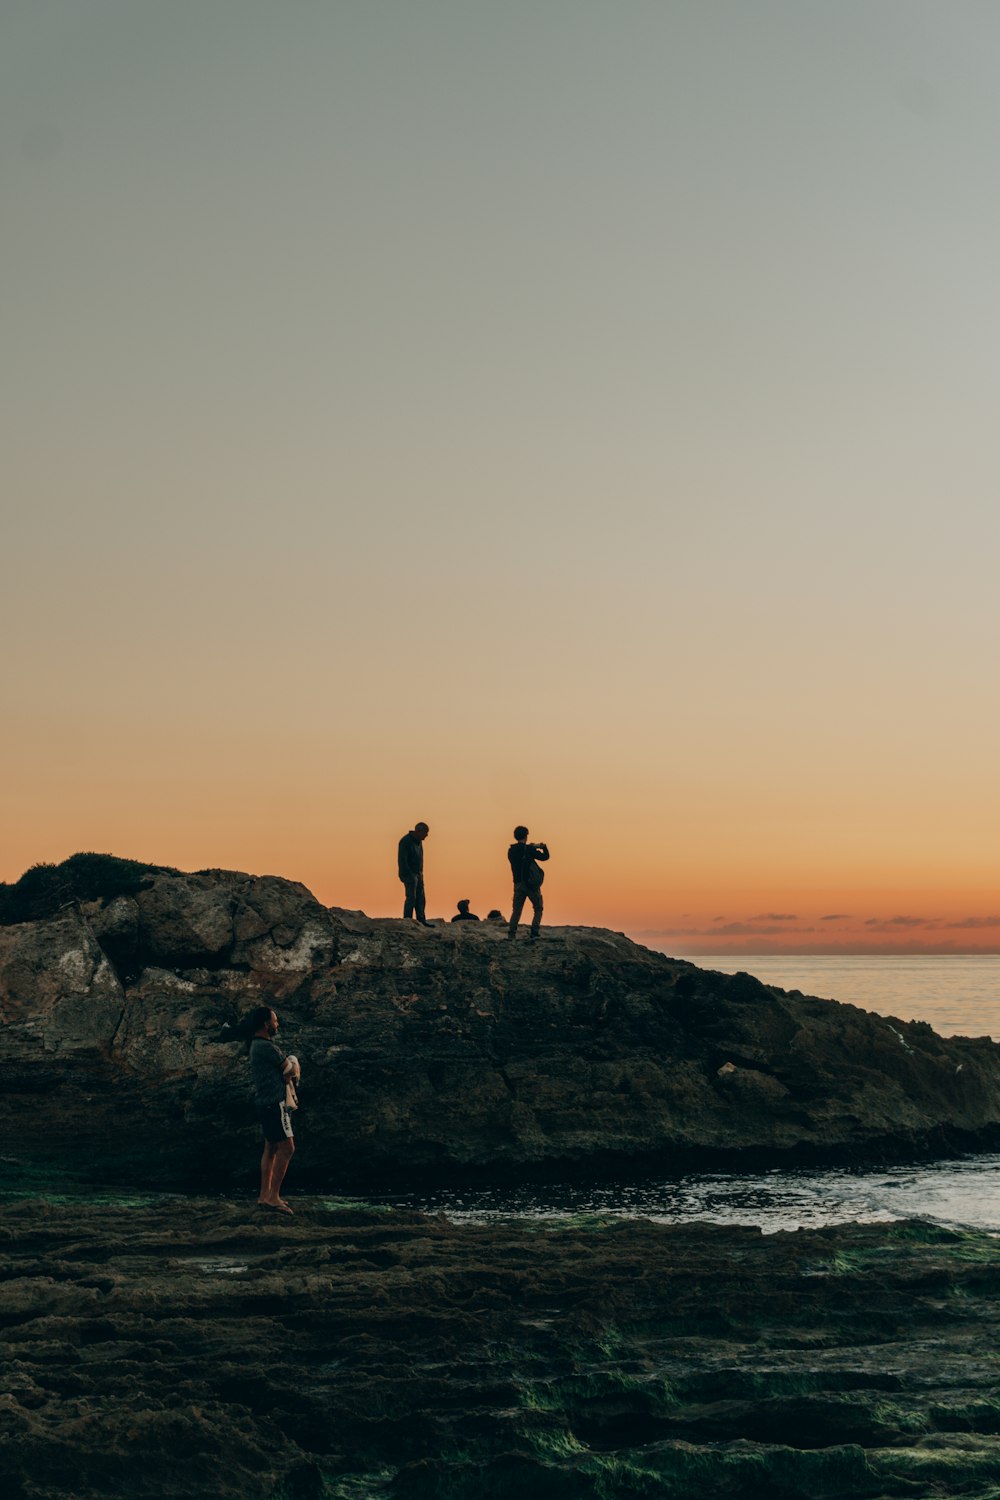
{"x":276,"y":1122}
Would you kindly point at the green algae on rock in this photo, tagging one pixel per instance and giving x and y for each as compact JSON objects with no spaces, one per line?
{"x":196,"y":1348}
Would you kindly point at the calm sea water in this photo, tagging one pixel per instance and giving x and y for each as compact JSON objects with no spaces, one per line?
{"x":957,"y":995}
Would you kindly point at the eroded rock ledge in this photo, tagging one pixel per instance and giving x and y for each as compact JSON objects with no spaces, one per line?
{"x":188,"y":1347}
{"x":440,"y":1052}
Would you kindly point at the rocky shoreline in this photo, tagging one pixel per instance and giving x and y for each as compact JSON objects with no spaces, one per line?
{"x":185,"y":1343}
{"x":188,"y":1347}
{"x":438,"y":1054}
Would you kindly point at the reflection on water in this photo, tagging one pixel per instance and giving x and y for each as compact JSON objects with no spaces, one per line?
{"x":963,"y":1194}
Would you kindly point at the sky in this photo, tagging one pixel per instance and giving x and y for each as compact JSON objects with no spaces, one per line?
{"x":565,"y":412}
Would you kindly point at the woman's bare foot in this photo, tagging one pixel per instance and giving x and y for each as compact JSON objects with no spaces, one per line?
{"x":278,"y":1205}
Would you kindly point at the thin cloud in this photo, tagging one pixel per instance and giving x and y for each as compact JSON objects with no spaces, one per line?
{"x":745,"y":929}
{"x":730,"y":929}
{"x":970,"y":923}
{"x":837,"y":916}
{"x":671,"y":932}
{"x":889,"y":923}
{"x":774,"y":916}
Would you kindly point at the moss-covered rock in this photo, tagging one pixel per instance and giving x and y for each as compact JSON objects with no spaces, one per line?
{"x":184,"y":1348}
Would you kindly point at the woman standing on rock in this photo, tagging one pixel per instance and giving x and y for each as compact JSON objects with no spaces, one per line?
{"x":274,"y":1079}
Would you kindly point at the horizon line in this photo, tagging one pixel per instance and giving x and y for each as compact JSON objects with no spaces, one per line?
{"x":801,"y":950}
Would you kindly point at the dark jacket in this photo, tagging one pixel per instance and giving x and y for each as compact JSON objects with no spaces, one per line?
{"x":522,"y":863}
{"x":411,"y":856}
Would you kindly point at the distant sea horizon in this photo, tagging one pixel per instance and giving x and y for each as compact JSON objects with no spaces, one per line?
{"x":957,"y":993}
{"x":806,"y":950}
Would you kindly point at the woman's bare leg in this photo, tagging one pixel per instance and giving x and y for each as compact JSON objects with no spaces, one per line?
{"x":283,"y":1153}
{"x":266,"y":1170}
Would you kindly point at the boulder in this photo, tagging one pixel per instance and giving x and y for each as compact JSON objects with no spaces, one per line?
{"x":59,"y":993}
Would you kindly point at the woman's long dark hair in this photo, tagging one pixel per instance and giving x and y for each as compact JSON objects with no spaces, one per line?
{"x":247,"y":1025}
{"x":252,"y":1022}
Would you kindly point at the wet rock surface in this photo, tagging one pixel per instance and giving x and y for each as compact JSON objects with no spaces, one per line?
{"x":439,"y":1053}
{"x":196,"y":1347}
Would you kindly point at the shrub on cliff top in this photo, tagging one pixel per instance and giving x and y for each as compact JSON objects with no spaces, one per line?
{"x":45,"y":889}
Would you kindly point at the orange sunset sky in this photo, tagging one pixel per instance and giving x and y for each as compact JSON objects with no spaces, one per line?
{"x":581,"y":414}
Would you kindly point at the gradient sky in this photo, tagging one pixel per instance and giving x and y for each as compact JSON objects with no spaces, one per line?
{"x":564,"y":412}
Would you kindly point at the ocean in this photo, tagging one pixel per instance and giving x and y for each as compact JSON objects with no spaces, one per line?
{"x":958,"y":995}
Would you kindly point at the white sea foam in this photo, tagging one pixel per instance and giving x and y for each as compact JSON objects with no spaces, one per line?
{"x":956,"y":1194}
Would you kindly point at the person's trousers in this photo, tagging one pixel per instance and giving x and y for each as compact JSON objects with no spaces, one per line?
{"x":413,"y":903}
{"x":523,"y":893}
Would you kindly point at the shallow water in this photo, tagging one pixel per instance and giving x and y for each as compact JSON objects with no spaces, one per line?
{"x":958,"y":1194}
{"x":963,"y":1194}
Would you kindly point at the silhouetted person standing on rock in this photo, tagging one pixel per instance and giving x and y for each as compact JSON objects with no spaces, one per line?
{"x":464,"y":914}
{"x":272,"y":1073}
{"x":411,"y":872}
{"x":524,"y":859}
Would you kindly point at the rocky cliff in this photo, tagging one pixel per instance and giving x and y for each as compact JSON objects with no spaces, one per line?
{"x":438,"y":1052}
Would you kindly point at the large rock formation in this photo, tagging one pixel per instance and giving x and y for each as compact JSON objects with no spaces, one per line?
{"x":438,"y":1052}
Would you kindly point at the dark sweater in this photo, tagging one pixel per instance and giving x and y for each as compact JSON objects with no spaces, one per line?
{"x":411,"y":856}
{"x":266,"y":1064}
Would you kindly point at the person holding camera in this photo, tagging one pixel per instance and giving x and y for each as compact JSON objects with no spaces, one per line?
{"x":524,"y":860}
